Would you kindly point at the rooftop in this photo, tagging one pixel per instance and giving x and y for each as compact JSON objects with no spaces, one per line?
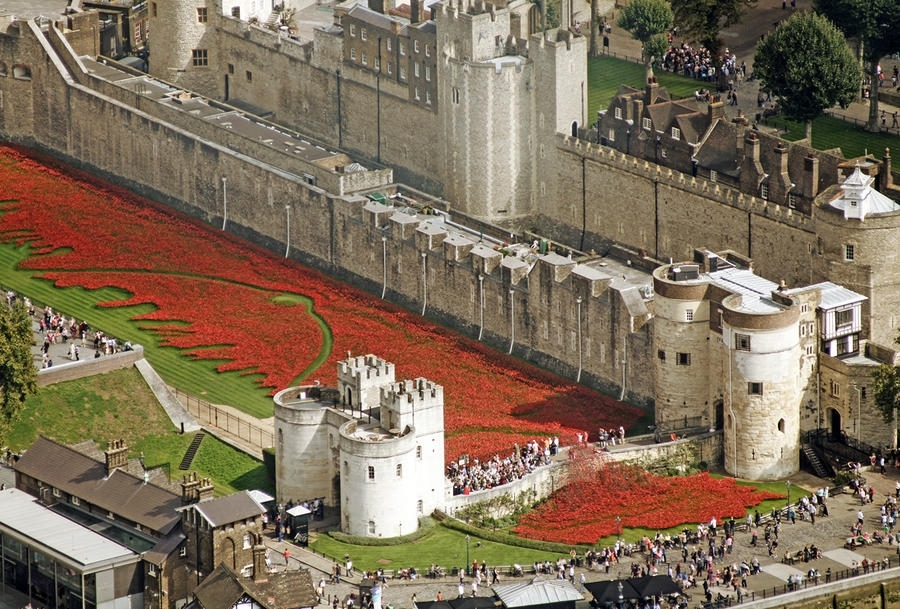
{"x":22,"y":516}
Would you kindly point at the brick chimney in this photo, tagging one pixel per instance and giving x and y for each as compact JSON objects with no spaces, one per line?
{"x":189,"y":489}
{"x":205,"y":490}
{"x":116,"y":455}
{"x":752,"y":170}
{"x":810,"y":185}
{"x":417,"y":11}
{"x":651,"y":92}
{"x":260,"y":572}
{"x":716,"y":108}
{"x":780,"y":186}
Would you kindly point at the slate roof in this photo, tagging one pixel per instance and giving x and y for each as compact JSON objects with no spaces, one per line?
{"x":224,"y":588}
{"x":231,"y":508}
{"x":120,"y":493}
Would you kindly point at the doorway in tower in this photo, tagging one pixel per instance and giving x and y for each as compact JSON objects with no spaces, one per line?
{"x":719,"y":410}
{"x":349,"y":400}
{"x":835,"y":427}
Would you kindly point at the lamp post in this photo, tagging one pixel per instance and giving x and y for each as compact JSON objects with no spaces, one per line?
{"x":619,"y":527}
{"x":467,"y":555}
{"x":619,"y":586}
{"x":787,"y":485}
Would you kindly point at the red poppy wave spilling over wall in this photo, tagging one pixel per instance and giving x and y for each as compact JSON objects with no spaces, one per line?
{"x":585,"y":509}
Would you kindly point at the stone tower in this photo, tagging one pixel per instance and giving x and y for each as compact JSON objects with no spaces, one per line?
{"x":500,"y":87}
{"x":681,"y":336}
{"x":372,"y":447}
{"x":763,"y":387}
{"x":184,"y":42}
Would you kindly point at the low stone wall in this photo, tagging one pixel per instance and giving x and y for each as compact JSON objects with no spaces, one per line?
{"x":545,"y":480}
{"x":69,"y":371}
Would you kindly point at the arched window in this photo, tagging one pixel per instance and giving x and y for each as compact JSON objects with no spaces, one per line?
{"x":781,"y":425}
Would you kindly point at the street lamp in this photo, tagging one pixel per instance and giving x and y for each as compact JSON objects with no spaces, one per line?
{"x":619,"y":527}
{"x":787,"y":485}
{"x":467,"y":555}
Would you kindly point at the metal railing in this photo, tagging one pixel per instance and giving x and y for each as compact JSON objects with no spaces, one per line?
{"x":220,"y":418}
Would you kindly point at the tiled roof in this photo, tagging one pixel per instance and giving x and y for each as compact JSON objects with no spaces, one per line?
{"x":223,"y":588}
{"x":120,"y":493}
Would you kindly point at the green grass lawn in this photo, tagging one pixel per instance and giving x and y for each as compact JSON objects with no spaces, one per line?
{"x":441,"y":546}
{"x":197,"y":377}
{"x":119,"y":404}
{"x":829,"y":132}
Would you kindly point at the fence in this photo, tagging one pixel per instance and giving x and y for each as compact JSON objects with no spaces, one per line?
{"x":221,"y":418}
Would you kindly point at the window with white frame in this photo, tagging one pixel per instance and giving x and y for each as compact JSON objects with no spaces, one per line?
{"x":689,"y":315}
{"x":676,"y":133}
{"x":352,"y":31}
{"x":742,"y":342}
{"x":849,"y":252}
{"x":646,"y":123}
{"x":764,"y":191}
{"x":362,"y":33}
{"x":618,"y":113}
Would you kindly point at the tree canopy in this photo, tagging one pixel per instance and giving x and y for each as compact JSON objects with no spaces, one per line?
{"x":18,"y":376}
{"x":886,"y":390}
{"x":702,"y":20}
{"x":807,"y":64}
{"x":648,"y":21}
{"x":875,"y":24}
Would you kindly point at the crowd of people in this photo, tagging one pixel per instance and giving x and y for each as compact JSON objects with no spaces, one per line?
{"x":55,"y":329}
{"x":475,"y":475}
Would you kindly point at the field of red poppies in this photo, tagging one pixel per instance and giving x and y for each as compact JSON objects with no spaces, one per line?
{"x":599,"y":490}
{"x":217,"y":298}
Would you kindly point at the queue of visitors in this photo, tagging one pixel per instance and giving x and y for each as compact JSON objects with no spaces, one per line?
{"x":480,"y":475}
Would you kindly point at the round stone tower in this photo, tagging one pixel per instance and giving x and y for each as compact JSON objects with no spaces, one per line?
{"x":305,"y":445}
{"x":681,"y":337}
{"x":763,"y":387}
{"x":183,"y":41}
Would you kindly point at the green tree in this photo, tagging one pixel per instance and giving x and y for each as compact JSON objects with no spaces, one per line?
{"x":18,"y":376}
{"x":702,"y":20}
{"x":647,"y":21}
{"x":886,"y":391}
{"x":875,"y":25}
{"x":806,"y":63}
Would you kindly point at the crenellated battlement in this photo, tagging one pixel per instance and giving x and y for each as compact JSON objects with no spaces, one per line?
{"x":417,"y":393}
{"x":671,"y":178}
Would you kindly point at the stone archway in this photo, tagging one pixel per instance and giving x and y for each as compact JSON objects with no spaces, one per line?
{"x":835,"y":425}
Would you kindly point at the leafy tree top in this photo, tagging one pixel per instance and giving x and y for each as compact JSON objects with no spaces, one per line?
{"x":18,"y":376}
{"x":644,"y":19}
{"x":702,"y":20}
{"x":874,"y":22}
{"x":807,"y":64}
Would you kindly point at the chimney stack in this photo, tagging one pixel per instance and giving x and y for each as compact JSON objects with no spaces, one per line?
{"x":205,"y":490}
{"x":189,"y":489}
{"x":116,"y":455}
{"x":260,"y":571}
{"x":810,"y":185}
{"x":716,"y":108}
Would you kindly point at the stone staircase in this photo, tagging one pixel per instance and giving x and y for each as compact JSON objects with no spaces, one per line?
{"x":821,"y":468}
{"x":192,"y":451}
